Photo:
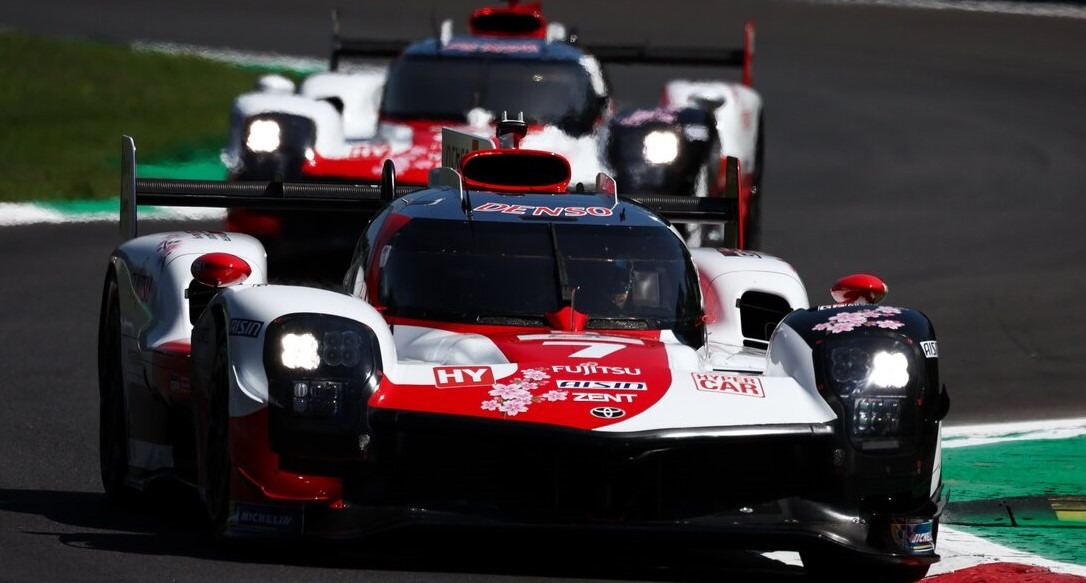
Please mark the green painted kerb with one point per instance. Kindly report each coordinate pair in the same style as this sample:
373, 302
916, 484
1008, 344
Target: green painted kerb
202, 168
1029, 495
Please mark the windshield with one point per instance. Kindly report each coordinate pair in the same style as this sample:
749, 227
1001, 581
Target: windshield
506, 273
447, 88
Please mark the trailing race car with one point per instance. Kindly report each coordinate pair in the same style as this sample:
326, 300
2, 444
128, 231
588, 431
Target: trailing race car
506, 353
342, 124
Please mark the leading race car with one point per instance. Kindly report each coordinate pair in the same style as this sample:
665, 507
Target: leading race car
341, 125
506, 353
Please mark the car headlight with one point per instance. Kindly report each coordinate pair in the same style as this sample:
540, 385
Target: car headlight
660, 147
264, 135
321, 370
876, 379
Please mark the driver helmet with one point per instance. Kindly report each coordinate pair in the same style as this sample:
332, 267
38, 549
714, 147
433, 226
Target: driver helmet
619, 281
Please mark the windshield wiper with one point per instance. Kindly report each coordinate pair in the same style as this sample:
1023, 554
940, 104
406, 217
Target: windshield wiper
564, 291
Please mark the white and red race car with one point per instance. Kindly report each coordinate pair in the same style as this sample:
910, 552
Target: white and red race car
504, 352
342, 124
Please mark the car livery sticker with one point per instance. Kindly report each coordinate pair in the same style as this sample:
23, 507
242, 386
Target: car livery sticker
263, 516
931, 348
475, 46
729, 384
644, 116
514, 396
250, 328
165, 248
608, 412
543, 211
561, 378
913, 535
848, 321
463, 376
601, 385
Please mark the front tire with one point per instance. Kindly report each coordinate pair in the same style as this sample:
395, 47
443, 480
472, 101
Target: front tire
112, 410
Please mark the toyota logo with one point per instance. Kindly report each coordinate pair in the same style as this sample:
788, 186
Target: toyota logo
607, 412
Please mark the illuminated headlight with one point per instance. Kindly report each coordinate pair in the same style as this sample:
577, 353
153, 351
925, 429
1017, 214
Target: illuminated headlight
264, 136
874, 378
336, 348
661, 147
320, 366
300, 351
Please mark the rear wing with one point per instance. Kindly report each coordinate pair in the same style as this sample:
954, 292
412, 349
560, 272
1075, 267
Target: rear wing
363, 198
361, 48
722, 210
682, 56
371, 198
607, 54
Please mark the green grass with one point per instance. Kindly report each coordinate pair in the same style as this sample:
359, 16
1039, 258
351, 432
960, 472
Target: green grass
64, 105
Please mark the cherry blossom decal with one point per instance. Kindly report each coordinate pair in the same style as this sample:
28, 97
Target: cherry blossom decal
847, 321
513, 397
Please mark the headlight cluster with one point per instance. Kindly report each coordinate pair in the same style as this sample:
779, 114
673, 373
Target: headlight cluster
660, 147
874, 378
263, 135
321, 371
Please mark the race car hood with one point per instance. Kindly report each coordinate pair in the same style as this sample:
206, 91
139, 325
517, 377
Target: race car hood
415, 148
587, 381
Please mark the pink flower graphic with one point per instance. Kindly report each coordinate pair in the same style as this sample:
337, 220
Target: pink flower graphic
515, 396
848, 321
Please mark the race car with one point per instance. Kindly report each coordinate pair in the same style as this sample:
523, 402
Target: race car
505, 352
342, 124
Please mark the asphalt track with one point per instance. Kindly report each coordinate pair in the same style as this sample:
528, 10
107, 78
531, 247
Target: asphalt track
941, 150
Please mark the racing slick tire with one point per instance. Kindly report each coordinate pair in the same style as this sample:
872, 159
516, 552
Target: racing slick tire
839, 567
217, 456
112, 410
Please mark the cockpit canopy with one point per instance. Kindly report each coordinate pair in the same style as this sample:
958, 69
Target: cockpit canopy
446, 87
623, 277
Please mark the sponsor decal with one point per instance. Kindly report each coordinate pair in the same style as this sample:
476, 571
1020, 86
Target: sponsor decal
473, 46
602, 385
913, 535
931, 348
607, 412
369, 151
462, 376
240, 327
213, 235
644, 116
543, 211
604, 397
750, 386
591, 368
456, 144
848, 321
516, 395
165, 248
738, 253
266, 516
